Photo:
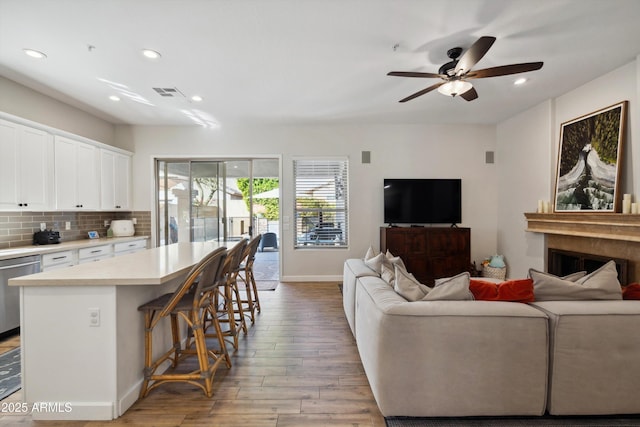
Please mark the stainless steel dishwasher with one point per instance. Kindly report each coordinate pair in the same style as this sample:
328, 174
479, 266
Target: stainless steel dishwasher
10, 295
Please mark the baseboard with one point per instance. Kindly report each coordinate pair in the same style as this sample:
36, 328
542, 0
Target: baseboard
131, 396
78, 411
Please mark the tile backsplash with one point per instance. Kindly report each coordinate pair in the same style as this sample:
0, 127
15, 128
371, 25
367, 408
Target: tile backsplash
17, 228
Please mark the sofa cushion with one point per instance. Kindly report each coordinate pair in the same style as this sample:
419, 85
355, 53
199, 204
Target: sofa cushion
354, 268
454, 288
407, 286
602, 284
593, 366
517, 290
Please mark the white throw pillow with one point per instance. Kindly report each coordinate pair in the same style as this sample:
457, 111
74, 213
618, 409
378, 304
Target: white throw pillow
375, 263
407, 286
370, 253
602, 284
388, 274
393, 260
454, 288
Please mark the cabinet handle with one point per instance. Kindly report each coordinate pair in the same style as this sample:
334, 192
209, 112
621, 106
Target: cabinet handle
96, 251
59, 257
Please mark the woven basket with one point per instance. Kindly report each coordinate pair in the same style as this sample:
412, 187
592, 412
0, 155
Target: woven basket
494, 272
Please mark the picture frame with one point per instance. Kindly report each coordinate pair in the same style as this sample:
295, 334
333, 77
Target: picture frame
589, 161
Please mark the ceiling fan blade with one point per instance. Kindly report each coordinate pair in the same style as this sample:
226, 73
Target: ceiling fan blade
416, 74
422, 92
504, 70
474, 54
469, 95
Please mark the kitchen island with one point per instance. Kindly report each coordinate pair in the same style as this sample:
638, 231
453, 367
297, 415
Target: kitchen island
82, 336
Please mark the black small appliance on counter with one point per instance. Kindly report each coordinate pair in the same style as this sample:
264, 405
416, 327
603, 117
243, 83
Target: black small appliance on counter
46, 237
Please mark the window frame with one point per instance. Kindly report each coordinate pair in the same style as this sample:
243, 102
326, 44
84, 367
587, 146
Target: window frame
317, 233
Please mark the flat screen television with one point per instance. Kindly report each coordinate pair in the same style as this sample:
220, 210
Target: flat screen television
422, 201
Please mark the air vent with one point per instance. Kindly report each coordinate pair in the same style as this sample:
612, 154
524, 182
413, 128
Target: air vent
169, 92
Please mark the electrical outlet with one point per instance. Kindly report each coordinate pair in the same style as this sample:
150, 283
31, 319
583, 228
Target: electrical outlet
94, 316
67, 225
43, 226
106, 222
134, 220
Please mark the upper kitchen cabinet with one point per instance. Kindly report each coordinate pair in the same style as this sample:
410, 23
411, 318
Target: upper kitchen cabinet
115, 180
77, 175
26, 169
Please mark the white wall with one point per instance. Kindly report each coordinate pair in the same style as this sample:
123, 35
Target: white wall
26, 103
524, 161
396, 151
527, 149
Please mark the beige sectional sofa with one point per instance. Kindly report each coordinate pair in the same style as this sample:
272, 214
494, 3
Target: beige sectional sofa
594, 363
353, 270
493, 358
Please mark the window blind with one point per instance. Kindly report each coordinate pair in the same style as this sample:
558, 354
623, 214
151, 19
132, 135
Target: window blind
321, 214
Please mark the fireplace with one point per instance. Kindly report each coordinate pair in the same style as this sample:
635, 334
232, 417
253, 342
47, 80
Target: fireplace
561, 263
585, 241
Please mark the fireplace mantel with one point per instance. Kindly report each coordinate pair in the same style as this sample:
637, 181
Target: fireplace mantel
613, 226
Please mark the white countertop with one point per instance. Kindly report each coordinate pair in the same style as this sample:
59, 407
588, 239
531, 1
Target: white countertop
63, 246
149, 267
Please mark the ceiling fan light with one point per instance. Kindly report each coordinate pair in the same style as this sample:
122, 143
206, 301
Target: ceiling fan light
454, 87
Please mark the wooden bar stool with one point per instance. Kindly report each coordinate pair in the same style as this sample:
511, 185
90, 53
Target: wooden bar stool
190, 303
245, 270
226, 306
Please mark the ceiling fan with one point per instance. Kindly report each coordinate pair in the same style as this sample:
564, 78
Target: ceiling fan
456, 73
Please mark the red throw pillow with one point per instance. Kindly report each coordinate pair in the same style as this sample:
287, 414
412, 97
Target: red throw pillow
631, 291
519, 290
483, 290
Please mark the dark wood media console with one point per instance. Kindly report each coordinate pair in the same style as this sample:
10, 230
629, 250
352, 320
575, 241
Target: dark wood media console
429, 253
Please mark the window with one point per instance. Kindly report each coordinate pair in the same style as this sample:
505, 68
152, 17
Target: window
321, 203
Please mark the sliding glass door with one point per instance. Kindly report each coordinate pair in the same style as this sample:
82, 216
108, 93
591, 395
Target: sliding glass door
213, 200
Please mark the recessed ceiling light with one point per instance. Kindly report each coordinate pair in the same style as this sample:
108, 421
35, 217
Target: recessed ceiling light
520, 81
34, 53
114, 98
196, 98
151, 54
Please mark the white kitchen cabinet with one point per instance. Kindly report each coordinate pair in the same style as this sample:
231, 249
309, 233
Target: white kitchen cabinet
57, 260
95, 253
26, 168
89, 251
129, 247
77, 177
115, 180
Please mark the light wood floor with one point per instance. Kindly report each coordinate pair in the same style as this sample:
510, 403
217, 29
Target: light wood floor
298, 366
